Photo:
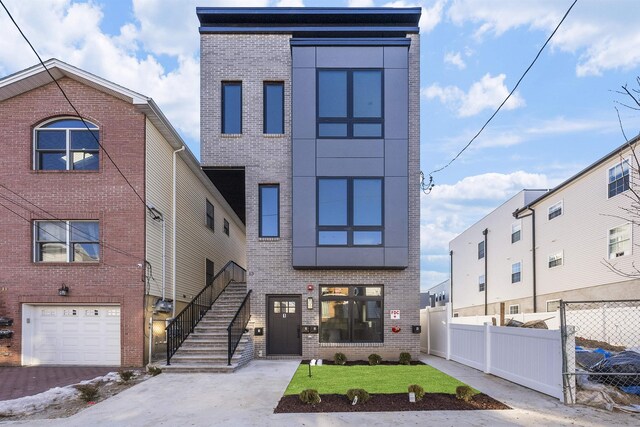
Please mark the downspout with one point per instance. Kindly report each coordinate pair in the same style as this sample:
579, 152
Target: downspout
533, 257
173, 231
451, 280
486, 278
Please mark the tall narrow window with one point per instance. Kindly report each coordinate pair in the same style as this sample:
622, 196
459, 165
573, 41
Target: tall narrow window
516, 231
209, 275
269, 210
67, 144
210, 216
226, 227
481, 283
273, 108
516, 272
619, 178
231, 107
620, 241
481, 250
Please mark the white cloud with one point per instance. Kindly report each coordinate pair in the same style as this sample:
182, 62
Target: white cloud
602, 35
487, 93
290, 3
455, 59
430, 278
360, 3
431, 16
489, 186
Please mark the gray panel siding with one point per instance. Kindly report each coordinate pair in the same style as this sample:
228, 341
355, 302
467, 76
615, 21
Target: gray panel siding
395, 158
395, 212
396, 57
350, 166
349, 57
304, 57
396, 257
304, 257
304, 106
396, 103
350, 257
304, 157
351, 148
304, 215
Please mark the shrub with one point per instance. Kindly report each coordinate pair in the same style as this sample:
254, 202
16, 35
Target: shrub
154, 370
464, 392
374, 359
125, 376
88, 392
405, 358
340, 359
310, 396
362, 395
418, 390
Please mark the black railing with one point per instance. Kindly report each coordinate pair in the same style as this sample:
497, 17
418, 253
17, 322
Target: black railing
184, 323
237, 326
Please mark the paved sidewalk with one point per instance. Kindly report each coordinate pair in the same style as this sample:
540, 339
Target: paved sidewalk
19, 381
247, 398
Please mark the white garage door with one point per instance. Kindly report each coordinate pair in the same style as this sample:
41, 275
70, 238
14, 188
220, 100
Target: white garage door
75, 335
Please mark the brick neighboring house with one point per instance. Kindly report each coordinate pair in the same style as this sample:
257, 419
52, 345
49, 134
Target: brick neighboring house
77, 226
310, 127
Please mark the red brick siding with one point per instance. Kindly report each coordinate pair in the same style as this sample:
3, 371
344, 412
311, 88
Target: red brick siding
102, 195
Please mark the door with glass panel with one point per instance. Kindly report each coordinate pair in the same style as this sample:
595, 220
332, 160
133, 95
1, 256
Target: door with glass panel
284, 335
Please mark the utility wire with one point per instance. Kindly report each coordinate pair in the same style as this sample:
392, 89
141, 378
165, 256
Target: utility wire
71, 104
427, 187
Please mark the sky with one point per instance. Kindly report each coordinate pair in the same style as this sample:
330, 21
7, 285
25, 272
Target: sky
561, 119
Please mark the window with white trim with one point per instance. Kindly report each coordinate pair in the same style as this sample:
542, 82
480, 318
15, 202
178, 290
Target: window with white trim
481, 283
553, 305
620, 241
556, 259
618, 178
555, 210
66, 144
514, 309
516, 272
516, 231
481, 250
66, 241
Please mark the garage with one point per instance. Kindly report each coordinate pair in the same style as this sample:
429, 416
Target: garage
71, 335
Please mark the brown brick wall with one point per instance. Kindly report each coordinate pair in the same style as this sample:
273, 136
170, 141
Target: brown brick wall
102, 195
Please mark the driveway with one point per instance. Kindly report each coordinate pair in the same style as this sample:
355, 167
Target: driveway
247, 398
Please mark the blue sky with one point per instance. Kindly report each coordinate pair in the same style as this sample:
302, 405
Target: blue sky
561, 119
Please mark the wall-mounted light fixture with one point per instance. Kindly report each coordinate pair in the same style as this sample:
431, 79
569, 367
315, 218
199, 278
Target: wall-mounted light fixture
258, 331
63, 291
310, 303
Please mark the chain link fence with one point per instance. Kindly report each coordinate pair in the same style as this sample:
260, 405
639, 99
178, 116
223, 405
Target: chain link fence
601, 353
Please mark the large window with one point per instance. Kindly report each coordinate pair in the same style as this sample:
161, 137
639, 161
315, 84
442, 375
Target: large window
210, 216
231, 107
66, 241
516, 231
619, 178
66, 144
516, 272
273, 120
620, 241
555, 210
350, 104
350, 211
269, 210
351, 314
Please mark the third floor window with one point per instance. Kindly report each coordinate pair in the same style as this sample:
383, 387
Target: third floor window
231, 107
66, 144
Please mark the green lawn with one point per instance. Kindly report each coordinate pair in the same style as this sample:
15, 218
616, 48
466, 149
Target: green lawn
332, 379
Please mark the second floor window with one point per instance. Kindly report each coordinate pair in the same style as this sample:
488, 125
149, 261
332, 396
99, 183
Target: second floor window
66, 241
619, 178
516, 271
555, 210
269, 210
555, 260
481, 250
273, 108
516, 231
209, 272
350, 103
232, 107
210, 216
620, 241
481, 283
66, 144
226, 227
350, 211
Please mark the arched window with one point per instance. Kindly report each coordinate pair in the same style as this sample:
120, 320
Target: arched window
66, 144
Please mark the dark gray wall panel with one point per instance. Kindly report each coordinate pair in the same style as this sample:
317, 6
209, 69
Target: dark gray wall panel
304, 105
351, 148
304, 257
304, 57
396, 159
396, 257
396, 104
304, 211
396, 212
304, 157
351, 57
396, 57
350, 166
350, 257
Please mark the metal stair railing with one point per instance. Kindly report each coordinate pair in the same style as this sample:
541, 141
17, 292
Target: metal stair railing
185, 322
237, 326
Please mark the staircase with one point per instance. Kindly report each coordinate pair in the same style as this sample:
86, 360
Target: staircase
206, 348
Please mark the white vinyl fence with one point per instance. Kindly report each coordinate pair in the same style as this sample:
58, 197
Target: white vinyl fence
551, 318
530, 357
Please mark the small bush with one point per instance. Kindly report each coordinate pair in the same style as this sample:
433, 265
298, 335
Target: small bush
374, 359
310, 396
154, 370
464, 392
362, 394
88, 392
340, 359
418, 390
125, 376
405, 358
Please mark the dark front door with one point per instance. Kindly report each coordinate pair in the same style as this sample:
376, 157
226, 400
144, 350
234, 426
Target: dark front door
285, 322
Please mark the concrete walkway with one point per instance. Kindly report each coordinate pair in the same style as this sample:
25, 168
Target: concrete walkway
247, 398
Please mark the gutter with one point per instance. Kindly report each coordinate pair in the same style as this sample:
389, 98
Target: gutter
451, 280
517, 215
485, 232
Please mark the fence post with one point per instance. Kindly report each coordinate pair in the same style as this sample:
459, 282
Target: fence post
487, 348
448, 326
570, 365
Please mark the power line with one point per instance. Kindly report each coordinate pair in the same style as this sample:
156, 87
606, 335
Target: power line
427, 187
71, 104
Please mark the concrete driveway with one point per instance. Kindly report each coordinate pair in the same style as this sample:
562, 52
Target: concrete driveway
247, 398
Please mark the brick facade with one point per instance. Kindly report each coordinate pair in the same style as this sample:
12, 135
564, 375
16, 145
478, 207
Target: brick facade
101, 195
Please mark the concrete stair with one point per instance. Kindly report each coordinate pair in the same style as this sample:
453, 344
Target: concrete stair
205, 349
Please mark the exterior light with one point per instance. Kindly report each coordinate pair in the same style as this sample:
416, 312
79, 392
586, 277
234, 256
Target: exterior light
310, 303
63, 291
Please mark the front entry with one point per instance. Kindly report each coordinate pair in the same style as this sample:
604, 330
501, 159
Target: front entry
284, 335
